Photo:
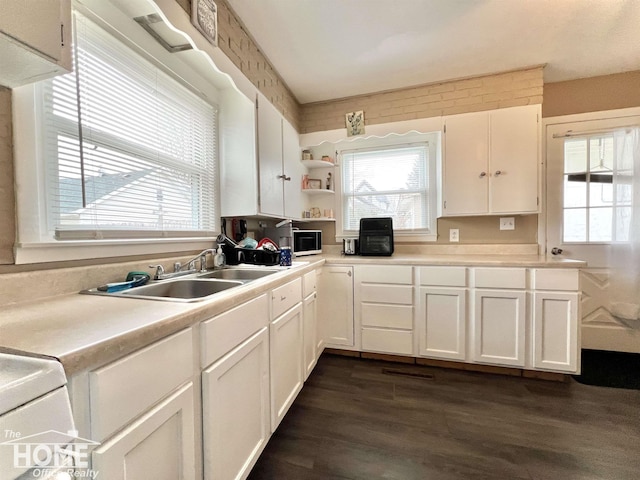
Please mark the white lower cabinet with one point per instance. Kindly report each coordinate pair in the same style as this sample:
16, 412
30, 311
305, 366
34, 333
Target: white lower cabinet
309, 313
159, 445
235, 402
286, 344
555, 331
384, 308
499, 323
335, 306
442, 315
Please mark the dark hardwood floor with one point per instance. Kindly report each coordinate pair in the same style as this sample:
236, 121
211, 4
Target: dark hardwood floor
352, 421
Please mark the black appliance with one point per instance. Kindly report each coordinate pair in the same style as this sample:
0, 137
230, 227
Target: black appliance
376, 236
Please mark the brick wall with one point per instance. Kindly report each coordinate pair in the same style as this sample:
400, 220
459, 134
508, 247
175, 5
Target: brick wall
7, 200
508, 89
237, 44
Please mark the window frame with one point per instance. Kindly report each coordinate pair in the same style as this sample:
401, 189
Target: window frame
432, 141
33, 242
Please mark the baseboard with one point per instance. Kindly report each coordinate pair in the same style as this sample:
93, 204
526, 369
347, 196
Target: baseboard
450, 364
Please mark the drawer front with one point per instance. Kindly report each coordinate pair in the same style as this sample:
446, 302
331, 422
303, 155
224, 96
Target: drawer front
395, 274
443, 276
397, 294
389, 316
308, 283
387, 341
228, 330
556, 279
128, 387
285, 297
501, 278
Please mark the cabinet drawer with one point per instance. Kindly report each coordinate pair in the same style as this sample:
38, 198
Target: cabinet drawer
285, 297
388, 341
399, 294
443, 276
308, 283
390, 316
556, 279
126, 388
227, 330
395, 274
500, 278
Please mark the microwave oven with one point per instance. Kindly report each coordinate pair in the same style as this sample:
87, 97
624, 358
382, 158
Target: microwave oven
306, 242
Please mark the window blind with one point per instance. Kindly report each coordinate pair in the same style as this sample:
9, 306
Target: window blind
130, 152
387, 182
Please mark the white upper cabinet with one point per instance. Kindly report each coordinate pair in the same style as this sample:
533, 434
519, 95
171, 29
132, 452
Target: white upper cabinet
35, 40
491, 162
279, 163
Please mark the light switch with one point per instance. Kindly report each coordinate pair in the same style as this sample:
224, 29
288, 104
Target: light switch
507, 223
454, 235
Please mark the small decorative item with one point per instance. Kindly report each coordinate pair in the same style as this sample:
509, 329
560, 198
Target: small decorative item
315, 184
204, 16
327, 158
355, 123
329, 181
328, 212
305, 182
306, 155
315, 212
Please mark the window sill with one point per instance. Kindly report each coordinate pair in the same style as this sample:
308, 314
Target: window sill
26, 253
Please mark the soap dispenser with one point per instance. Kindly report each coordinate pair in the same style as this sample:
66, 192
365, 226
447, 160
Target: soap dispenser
219, 260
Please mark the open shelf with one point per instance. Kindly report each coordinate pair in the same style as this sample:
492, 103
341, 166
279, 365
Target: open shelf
317, 191
317, 164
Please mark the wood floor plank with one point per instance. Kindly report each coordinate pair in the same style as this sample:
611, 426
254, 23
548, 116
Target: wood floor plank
354, 421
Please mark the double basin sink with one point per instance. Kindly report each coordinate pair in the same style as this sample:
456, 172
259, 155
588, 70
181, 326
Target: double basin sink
196, 287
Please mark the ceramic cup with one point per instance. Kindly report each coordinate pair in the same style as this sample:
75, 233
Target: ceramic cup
285, 257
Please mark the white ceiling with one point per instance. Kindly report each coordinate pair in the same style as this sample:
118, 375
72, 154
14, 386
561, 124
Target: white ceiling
327, 49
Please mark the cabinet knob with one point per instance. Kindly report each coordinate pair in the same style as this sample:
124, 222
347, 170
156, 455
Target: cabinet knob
483, 174
349, 273
282, 299
498, 173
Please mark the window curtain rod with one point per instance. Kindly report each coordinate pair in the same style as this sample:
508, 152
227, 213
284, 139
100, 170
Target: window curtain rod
572, 133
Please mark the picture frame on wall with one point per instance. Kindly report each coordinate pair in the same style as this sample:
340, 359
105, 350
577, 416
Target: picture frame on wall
204, 16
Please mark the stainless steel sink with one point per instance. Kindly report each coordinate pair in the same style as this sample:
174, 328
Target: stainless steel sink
184, 289
240, 274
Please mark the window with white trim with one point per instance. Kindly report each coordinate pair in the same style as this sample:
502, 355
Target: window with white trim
129, 151
394, 181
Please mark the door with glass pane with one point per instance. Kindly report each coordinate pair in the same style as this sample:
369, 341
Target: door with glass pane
588, 208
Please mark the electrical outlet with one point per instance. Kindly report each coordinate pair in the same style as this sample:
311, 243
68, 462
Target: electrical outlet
507, 223
454, 235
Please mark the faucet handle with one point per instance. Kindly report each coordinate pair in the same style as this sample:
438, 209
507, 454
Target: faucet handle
159, 270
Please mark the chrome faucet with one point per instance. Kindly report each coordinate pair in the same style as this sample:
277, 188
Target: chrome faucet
178, 267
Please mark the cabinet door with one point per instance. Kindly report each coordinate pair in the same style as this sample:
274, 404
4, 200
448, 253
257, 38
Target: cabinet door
158, 445
293, 169
335, 306
441, 323
286, 341
309, 314
270, 158
466, 164
35, 23
499, 327
235, 409
555, 331
514, 160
